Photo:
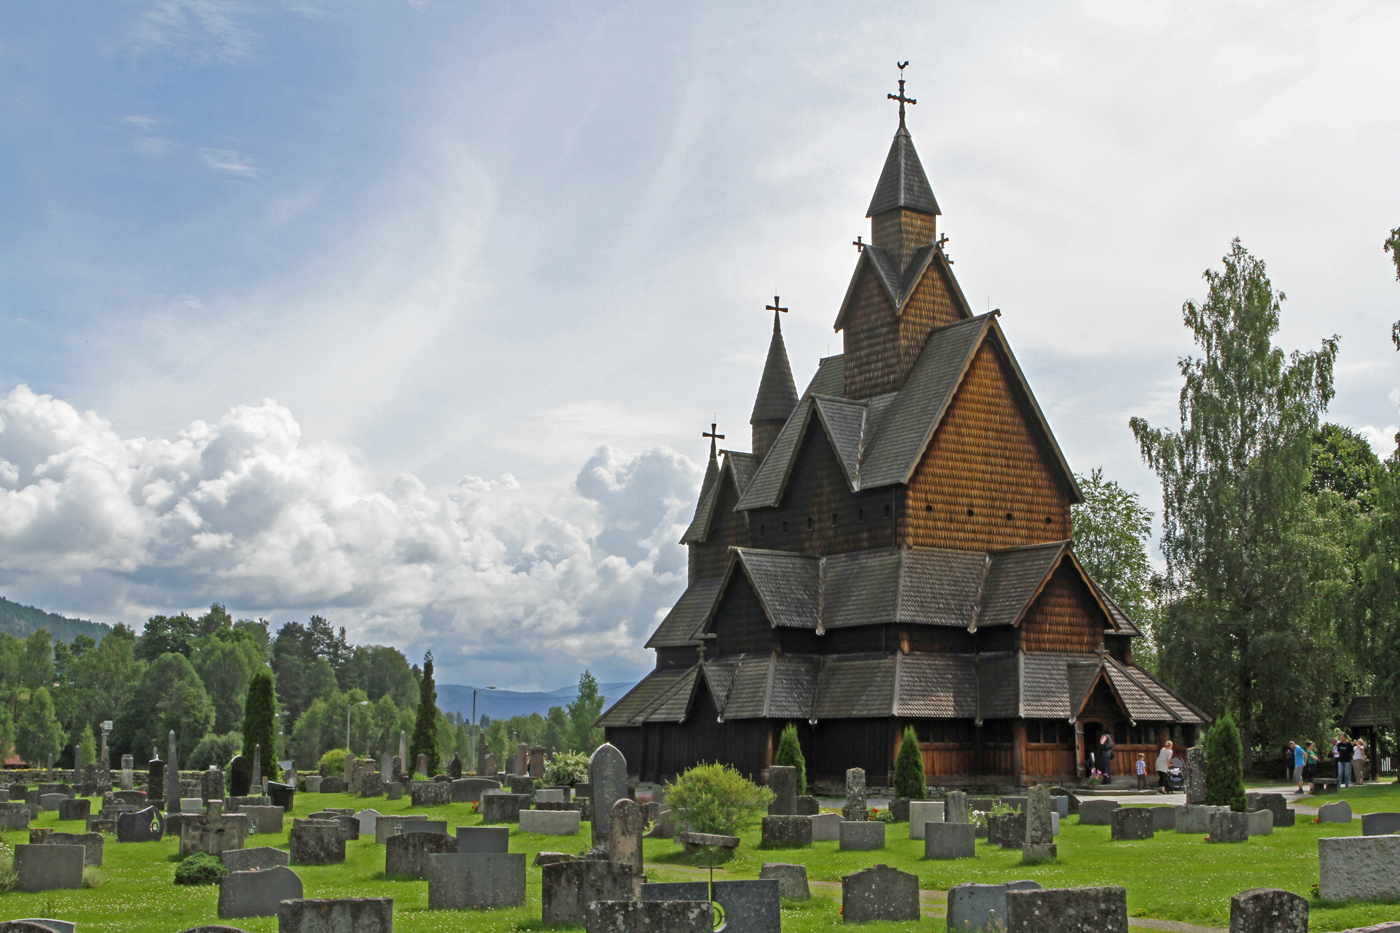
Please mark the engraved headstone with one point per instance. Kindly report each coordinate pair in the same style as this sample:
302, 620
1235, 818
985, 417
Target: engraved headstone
856, 807
454, 768
782, 781
607, 772
490, 767
537, 762
256, 776
127, 764
974, 908
1268, 910
1040, 827
625, 828
1195, 776
421, 766
1067, 910
522, 759
140, 826
172, 776
257, 893
239, 776
879, 893
955, 807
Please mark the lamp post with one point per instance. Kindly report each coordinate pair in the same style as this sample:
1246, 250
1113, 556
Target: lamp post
347, 722
476, 769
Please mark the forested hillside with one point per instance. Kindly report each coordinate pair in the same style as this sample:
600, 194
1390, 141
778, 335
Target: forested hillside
23, 620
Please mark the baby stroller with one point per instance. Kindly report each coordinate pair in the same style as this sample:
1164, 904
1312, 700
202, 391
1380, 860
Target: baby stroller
1176, 775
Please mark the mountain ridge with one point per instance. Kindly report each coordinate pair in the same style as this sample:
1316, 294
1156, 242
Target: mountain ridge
22, 621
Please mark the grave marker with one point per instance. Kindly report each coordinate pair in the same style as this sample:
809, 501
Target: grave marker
48, 868
792, 879
568, 888
475, 881
336, 915
782, 781
879, 893
981, 908
257, 893
406, 854
855, 808
1067, 910
1268, 910
607, 773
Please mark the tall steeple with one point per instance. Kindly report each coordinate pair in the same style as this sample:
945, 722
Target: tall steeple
903, 212
777, 393
712, 469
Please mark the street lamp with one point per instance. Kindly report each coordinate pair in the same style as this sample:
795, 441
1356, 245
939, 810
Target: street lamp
347, 722
476, 769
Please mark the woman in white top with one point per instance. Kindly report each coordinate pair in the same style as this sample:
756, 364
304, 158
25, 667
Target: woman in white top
1164, 763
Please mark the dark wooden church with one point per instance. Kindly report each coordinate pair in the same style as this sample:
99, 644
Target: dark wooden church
895, 551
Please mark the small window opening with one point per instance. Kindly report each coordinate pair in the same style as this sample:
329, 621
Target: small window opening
860, 515
761, 530
1047, 520
834, 519
1009, 517
969, 513
784, 527
810, 523
887, 511
928, 507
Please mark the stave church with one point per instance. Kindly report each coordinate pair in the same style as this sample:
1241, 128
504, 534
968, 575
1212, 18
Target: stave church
895, 550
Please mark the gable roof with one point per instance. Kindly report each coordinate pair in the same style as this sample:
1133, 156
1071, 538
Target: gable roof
739, 467
830, 377
900, 284
677, 630
902, 181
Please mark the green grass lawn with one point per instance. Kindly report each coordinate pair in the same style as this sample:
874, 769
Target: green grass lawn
1173, 877
1371, 798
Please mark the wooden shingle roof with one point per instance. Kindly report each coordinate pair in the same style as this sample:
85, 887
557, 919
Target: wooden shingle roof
739, 467
903, 182
677, 630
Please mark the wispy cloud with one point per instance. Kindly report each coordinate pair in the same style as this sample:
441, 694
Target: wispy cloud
202, 30
145, 139
228, 160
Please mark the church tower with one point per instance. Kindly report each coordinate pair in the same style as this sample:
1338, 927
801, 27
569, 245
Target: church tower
777, 393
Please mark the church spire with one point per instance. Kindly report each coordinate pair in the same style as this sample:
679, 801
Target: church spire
712, 470
903, 212
777, 393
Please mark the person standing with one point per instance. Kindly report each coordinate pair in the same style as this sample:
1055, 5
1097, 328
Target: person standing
1106, 757
1345, 752
1310, 762
1140, 769
1164, 766
1300, 760
1358, 761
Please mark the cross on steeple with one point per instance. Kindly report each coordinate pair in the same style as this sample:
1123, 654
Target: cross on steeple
901, 98
775, 307
712, 436
860, 247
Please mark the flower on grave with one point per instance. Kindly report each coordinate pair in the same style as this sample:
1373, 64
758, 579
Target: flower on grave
1207, 838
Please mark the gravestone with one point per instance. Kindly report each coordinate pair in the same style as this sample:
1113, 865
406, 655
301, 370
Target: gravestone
49, 802
212, 831
48, 868
371, 784
879, 893
568, 888
313, 783
282, 795
14, 815
552, 795
333, 785
950, 840
38, 925
550, 822
469, 790
1276, 803
317, 842
211, 785
807, 805
921, 812
406, 854
393, 791
91, 843
258, 858
649, 917
483, 840
859, 836
1015, 803
786, 832
899, 809
855, 808
1163, 818
1039, 816
490, 766
240, 776
1359, 868
1195, 778
1339, 812
792, 879
506, 808
1261, 822
1131, 823
257, 893
430, 793
256, 776
537, 762
782, 781
522, 784
1380, 824
607, 773
1007, 830
70, 808
336, 915
624, 840
749, 906
981, 908
1097, 812
369, 821
127, 764
421, 766
454, 767
1194, 819
826, 827
1067, 910
1268, 910
1228, 826
475, 881
172, 776
263, 819
722, 846
522, 759
403, 749
955, 807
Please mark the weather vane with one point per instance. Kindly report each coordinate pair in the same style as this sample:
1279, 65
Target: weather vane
901, 98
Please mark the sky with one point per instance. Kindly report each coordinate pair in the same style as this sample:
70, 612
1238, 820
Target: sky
411, 314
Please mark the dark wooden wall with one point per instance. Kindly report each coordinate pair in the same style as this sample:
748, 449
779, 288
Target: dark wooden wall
709, 558
739, 623
1065, 616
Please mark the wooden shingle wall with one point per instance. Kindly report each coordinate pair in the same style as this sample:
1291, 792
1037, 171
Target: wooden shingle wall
880, 347
903, 231
1065, 617
931, 305
987, 460
740, 624
709, 559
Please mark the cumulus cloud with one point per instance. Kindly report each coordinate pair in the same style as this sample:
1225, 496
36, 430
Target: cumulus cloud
518, 586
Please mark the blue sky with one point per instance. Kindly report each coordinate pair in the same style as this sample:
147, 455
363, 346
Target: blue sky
411, 314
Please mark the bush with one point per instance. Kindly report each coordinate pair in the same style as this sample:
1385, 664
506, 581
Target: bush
333, 762
200, 868
216, 750
1224, 775
909, 768
790, 753
566, 768
714, 798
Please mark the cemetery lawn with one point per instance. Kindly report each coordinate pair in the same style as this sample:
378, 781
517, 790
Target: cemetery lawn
1372, 798
1172, 877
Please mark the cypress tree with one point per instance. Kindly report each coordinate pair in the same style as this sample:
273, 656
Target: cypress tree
1224, 774
260, 721
425, 736
790, 753
909, 768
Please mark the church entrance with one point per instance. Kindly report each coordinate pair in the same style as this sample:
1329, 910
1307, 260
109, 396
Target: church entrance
1092, 731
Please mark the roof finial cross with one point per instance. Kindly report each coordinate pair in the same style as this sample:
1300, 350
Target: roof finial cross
860, 247
901, 98
776, 307
712, 436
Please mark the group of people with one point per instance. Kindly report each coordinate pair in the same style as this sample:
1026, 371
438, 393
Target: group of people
1348, 753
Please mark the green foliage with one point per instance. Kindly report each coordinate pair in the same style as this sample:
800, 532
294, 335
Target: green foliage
583, 711
790, 753
1224, 771
425, 739
566, 768
7, 730
38, 733
22, 620
909, 767
1111, 529
260, 721
714, 798
1343, 462
215, 750
200, 869
1373, 625
1247, 563
226, 664
332, 763
36, 665
169, 697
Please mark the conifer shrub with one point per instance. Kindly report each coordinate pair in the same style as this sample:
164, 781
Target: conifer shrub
790, 753
714, 798
425, 726
200, 868
1224, 771
260, 722
909, 768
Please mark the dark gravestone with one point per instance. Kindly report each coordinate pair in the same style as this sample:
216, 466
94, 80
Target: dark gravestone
1163, 818
258, 858
505, 808
981, 908
334, 785
336, 915
91, 843
430, 793
786, 832
1097, 812
406, 855
371, 784
475, 881
483, 840
568, 888
1276, 803
317, 842
1267, 910
240, 779
792, 879
899, 809
649, 917
1011, 830
257, 893
211, 785
522, 784
281, 795
74, 809
1380, 824
782, 781
879, 893
14, 815
808, 806
749, 906
1132, 823
607, 774
1067, 910
856, 836
1195, 778
949, 840
469, 790
454, 768
1228, 826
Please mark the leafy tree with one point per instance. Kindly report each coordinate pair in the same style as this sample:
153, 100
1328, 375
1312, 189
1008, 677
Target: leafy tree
425, 737
260, 721
215, 750
38, 733
789, 753
36, 667
714, 798
1241, 564
1373, 628
1224, 771
332, 763
558, 732
583, 712
1342, 461
169, 697
226, 666
102, 680
1111, 529
7, 731
909, 767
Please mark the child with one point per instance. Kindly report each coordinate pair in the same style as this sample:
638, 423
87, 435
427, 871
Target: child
1141, 768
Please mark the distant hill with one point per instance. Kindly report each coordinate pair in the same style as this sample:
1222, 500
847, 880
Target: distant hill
503, 704
23, 621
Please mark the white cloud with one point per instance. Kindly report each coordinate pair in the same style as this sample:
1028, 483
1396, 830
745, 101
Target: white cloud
228, 160
520, 586
196, 29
